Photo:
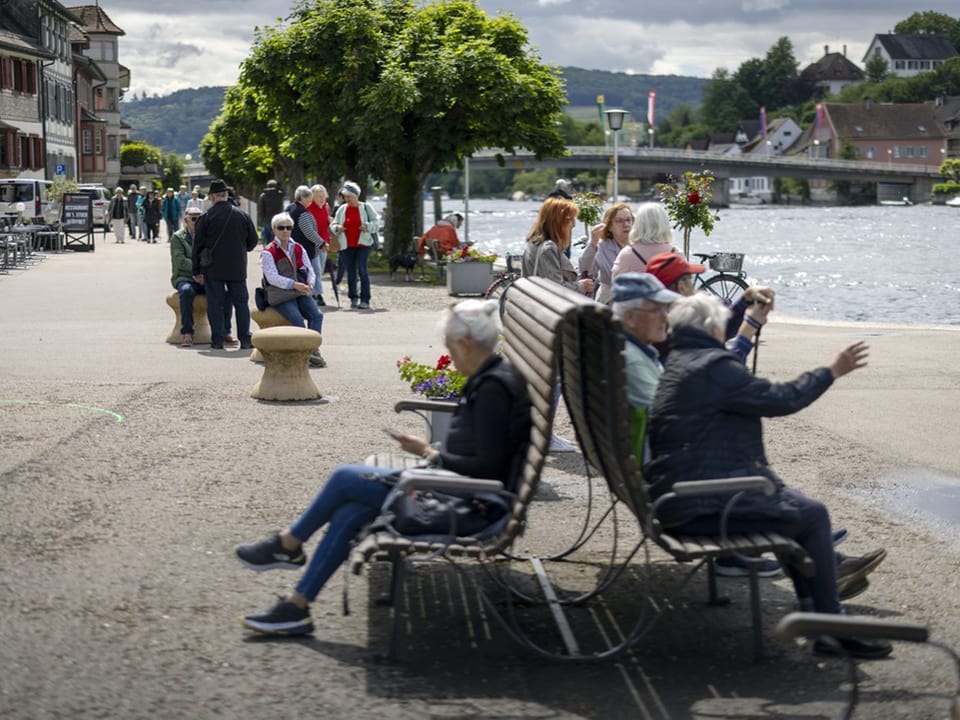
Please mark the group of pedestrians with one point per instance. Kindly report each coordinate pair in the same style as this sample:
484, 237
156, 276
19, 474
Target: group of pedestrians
141, 210
697, 409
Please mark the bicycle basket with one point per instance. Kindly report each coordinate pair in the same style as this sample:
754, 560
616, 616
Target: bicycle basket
726, 262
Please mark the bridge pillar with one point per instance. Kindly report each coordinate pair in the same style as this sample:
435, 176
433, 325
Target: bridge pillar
721, 192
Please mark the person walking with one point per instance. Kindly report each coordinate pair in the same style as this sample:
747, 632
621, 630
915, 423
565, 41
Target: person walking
171, 212
321, 213
117, 212
354, 224
151, 215
224, 236
269, 204
133, 220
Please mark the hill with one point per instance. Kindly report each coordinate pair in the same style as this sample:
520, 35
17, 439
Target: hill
177, 122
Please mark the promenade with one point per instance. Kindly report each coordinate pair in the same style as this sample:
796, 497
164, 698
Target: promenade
129, 469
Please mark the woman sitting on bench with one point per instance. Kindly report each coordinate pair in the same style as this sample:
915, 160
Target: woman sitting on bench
488, 435
706, 423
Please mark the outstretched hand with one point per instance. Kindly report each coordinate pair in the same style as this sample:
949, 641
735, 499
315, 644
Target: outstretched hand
850, 358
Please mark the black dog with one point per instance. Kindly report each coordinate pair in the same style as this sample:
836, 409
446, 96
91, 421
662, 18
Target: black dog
407, 261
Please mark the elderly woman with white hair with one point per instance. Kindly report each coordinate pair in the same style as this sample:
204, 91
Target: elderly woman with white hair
487, 438
355, 224
651, 234
706, 423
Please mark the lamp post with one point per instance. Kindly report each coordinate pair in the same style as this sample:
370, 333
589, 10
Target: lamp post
615, 122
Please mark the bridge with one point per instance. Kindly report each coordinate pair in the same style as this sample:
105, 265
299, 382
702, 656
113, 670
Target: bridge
645, 162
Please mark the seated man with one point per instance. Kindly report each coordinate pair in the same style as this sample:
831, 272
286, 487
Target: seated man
187, 285
445, 233
288, 280
706, 423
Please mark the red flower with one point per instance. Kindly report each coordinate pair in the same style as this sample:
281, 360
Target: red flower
693, 198
443, 362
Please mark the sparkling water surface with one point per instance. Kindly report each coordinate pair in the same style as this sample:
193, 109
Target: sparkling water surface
890, 264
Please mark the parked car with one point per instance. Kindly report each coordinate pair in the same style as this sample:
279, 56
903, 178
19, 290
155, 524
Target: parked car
100, 202
33, 193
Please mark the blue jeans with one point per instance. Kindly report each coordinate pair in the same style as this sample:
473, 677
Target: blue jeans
222, 297
172, 226
348, 501
299, 309
266, 230
188, 289
318, 262
356, 261
810, 527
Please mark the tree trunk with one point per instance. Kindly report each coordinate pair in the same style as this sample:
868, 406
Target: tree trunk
404, 204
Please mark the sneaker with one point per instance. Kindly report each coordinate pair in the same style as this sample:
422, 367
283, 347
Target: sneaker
284, 618
560, 445
364, 306
852, 647
229, 340
850, 590
216, 346
186, 340
854, 568
316, 359
736, 566
839, 536
320, 301
354, 304
246, 344
270, 554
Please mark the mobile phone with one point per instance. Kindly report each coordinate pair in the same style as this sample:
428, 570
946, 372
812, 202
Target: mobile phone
391, 432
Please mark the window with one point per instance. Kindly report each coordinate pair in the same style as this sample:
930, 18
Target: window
923, 151
87, 142
912, 64
99, 147
898, 65
870, 152
924, 64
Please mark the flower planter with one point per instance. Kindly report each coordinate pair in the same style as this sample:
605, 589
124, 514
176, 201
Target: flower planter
439, 425
469, 278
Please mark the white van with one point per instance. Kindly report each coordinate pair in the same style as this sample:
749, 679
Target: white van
34, 196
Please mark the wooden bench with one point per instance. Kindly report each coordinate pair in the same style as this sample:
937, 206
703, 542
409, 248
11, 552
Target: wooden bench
533, 322
201, 326
286, 363
593, 379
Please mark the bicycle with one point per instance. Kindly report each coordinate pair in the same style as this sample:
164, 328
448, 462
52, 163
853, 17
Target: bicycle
730, 280
497, 289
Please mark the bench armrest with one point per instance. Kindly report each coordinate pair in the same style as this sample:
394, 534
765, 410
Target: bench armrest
444, 480
434, 405
756, 483
807, 624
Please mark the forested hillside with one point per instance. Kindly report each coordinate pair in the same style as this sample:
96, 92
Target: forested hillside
176, 122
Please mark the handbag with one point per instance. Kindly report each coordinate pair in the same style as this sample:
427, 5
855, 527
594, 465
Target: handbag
436, 513
260, 298
206, 253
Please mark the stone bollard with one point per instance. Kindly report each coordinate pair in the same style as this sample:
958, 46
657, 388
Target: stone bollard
201, 326
265, 319
286, 363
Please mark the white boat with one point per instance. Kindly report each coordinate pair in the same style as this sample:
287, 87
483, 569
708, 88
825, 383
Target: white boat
954, 202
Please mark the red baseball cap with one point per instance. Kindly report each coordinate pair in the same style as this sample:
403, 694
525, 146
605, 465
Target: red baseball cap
668, 266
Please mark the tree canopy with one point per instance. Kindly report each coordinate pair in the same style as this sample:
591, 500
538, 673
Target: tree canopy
391, 90
930, 22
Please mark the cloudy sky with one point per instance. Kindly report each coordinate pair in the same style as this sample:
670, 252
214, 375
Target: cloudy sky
189, 43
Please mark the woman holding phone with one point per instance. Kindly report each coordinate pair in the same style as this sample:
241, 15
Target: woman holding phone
488, 434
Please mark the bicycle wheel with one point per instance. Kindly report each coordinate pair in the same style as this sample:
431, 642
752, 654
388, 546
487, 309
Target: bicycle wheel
725, 286
498, 289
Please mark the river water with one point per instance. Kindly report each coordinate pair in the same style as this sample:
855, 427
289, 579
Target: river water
889, 264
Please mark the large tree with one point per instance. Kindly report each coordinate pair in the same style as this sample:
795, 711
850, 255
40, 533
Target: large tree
930, 22
392, 90
725, 102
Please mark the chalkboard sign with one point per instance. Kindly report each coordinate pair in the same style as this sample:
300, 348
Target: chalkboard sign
77, 212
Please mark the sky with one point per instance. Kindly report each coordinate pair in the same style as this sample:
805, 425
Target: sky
189, 43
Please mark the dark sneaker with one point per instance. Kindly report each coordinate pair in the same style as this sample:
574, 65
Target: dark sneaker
734, 566
246, 344
850, 590
216, 346
270, 555
316, 359
852, 647
859, 567
839, 536
284, 618
364, 306
320, 301
354, 304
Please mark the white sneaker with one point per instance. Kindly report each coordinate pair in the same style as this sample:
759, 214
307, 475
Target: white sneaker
559, 445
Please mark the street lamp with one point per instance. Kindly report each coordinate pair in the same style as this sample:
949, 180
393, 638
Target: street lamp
615, 122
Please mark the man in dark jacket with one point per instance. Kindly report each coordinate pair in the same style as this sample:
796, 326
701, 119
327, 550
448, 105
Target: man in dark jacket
706, 423
269, 204
227, 234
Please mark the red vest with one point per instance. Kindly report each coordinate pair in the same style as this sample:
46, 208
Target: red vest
281, 260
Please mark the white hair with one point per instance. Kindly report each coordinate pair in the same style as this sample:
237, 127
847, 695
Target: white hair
279, 218
702, 310
479, 319
302, 193
651, 225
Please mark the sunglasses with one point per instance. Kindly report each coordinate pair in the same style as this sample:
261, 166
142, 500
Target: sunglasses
284, 227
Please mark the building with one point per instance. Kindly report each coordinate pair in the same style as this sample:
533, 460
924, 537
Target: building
909, 55
947, 109
781, 135
101, 134
832, 73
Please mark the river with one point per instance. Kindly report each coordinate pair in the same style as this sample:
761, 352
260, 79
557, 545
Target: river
890, 264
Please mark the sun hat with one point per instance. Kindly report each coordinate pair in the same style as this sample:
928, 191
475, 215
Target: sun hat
668, 266
350, 188
641, 286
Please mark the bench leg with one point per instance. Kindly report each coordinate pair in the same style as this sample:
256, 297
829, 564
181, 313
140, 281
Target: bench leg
713, 597
756, 620
398, 572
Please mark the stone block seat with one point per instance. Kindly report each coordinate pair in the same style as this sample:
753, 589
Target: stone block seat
265, 319
286, 363
201, 326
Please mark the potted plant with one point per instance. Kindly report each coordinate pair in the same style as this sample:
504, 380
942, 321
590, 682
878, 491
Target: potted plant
440, 381
687, 200
469, 271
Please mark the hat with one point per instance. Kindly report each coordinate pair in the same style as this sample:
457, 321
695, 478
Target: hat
641, 286
351, 188
193, 211
668, 266
217, 187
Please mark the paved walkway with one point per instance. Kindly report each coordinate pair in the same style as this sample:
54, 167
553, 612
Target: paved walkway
129, 468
